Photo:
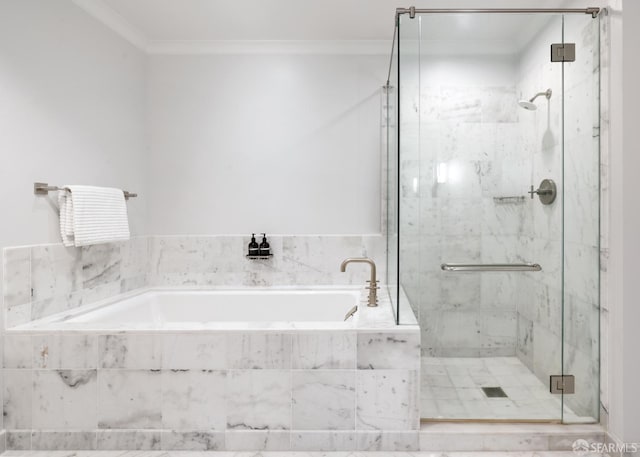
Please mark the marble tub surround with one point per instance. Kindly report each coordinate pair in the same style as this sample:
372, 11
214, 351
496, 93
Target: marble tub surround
246, 386
42, 280
297, 260
350, 389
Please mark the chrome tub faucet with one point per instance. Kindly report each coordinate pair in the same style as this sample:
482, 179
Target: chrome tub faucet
373, 282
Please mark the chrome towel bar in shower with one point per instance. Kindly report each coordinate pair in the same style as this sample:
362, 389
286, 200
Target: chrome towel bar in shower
490, 267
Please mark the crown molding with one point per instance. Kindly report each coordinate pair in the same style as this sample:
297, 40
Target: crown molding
102, 12
333, 47
115, 21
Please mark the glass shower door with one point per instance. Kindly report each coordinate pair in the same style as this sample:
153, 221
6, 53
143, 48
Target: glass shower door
474, 139
581, 336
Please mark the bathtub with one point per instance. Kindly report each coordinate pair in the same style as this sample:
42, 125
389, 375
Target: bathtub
215, 369
184, 310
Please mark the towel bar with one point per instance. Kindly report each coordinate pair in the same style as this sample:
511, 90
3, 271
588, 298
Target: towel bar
490, 267
43, 188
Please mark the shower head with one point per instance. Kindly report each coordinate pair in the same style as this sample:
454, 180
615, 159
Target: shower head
529, 105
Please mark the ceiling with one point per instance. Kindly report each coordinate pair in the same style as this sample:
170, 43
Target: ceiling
165, 25
260, 19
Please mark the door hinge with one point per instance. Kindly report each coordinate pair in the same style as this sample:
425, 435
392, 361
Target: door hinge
563, 384
563, 52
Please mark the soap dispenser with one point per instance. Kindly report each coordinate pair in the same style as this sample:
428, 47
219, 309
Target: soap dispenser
254, 249
265, 249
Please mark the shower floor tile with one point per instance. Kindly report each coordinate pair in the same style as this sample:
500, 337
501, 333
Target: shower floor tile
451, 388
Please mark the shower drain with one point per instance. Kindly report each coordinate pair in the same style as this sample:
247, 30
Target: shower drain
494, 392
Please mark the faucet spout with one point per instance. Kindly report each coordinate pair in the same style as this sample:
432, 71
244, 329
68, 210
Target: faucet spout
373, 282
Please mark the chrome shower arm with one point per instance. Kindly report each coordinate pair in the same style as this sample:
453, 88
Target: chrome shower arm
547, 93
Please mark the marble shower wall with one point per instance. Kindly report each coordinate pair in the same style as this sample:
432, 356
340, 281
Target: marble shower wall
46, 279
470, 126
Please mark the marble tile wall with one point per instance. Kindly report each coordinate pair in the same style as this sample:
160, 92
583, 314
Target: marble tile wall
297, 260
472, 130
216, 391
46, 279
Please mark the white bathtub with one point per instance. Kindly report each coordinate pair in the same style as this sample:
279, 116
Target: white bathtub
211, 310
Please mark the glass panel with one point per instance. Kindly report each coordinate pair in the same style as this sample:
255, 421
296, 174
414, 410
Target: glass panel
581, 219
390, 139
469, 152
409, 169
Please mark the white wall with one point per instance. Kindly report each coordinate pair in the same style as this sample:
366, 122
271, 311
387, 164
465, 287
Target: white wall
275, 143
631, 290
624, 376
71, 110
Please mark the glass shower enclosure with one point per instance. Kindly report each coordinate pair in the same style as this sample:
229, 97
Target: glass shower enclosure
491, 124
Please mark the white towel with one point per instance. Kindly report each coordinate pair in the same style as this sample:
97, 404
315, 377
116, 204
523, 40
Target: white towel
92, 215
66, 217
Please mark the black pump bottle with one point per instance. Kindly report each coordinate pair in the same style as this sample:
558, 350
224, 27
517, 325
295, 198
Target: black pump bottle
254, 249
265, 249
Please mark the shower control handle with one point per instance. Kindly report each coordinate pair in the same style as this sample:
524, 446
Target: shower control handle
539, 192
546, 192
